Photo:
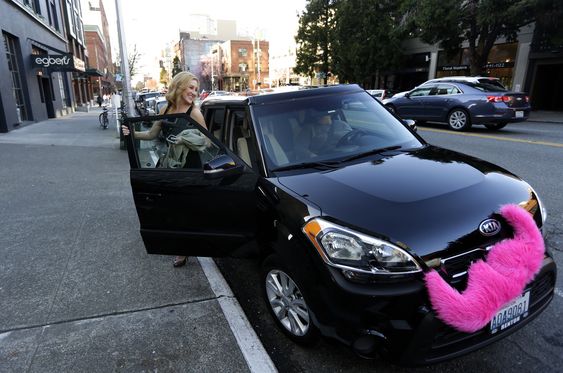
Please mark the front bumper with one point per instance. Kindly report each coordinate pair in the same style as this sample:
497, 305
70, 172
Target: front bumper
396, 320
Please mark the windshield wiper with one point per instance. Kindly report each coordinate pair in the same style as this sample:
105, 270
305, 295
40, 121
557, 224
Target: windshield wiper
370, 152
297, 166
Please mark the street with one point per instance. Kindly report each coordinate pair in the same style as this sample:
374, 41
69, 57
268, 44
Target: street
531, 150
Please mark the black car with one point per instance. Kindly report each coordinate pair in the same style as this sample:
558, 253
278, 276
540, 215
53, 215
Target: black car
462, 104
348, 209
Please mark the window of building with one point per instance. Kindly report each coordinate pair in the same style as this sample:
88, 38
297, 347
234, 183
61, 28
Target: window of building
242, 67
12, 49
53, 18
33, 4
62, 88
242, 52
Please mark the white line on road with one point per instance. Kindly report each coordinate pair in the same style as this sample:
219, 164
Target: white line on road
250, 345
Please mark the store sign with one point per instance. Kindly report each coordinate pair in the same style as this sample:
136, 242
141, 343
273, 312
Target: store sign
454, 67
499, 65
64, 62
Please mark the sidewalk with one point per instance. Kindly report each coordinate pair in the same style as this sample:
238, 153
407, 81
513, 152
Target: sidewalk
546, 116
78, 293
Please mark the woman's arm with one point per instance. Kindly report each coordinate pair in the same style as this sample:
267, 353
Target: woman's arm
145, 135
198, 117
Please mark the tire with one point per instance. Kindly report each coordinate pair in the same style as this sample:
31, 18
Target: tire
496, 126
391, 109
103, 121
458, 120
286, 303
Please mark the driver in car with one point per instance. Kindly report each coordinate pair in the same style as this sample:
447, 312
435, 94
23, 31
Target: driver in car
320, 134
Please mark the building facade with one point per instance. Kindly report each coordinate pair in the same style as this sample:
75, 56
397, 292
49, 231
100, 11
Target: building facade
524, 65
36, 63
245, 65
100, 66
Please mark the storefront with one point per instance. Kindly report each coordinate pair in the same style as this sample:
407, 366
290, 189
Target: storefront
500, 63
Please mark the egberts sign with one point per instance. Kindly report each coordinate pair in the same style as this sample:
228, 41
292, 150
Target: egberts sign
54, 61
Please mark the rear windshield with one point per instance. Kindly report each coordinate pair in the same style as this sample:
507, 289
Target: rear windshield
487, 86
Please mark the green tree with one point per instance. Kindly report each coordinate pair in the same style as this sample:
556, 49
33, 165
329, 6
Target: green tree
367, 39
164, 78
479, 22
314, 38
177, 66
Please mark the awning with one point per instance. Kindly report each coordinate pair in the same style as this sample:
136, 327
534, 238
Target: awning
93, 72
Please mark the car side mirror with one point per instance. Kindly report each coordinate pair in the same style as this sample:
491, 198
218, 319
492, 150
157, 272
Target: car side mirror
411, 123
221, 166
408, 94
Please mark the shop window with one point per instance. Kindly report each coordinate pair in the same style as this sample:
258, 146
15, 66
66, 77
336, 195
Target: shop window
11, 45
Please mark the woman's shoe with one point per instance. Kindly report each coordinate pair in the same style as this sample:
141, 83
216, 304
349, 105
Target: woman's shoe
180, 261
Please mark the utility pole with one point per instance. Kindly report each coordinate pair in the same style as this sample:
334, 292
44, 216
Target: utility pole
127, 92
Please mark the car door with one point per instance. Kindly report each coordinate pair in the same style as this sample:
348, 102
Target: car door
411, 106
196, 203
436, 105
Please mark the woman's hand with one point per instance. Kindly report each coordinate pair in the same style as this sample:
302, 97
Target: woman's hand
125, 130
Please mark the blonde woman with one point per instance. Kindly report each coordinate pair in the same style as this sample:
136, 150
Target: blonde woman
181, 96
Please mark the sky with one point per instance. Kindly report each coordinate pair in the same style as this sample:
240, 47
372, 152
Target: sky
150, 24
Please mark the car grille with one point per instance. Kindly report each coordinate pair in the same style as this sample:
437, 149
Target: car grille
447, 340
454, 268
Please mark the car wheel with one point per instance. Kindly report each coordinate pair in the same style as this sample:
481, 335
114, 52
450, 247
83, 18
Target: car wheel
496, 126
458, 120
391, 108
286, 303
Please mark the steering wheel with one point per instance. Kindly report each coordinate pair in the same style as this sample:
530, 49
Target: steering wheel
350, 137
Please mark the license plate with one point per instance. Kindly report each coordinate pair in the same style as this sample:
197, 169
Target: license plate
519, 114
512, 313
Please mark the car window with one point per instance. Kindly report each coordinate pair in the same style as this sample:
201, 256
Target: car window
214, 118
487, 87
179, 143
492, 82
447, 89
326, 128
422, 91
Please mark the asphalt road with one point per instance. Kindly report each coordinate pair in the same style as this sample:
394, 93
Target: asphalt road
531, 150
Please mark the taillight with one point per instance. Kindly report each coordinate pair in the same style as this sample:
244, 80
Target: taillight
527, 98
498, 98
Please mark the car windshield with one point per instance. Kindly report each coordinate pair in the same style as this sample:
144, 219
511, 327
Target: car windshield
328, 128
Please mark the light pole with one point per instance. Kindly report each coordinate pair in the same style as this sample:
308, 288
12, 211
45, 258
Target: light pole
127, 96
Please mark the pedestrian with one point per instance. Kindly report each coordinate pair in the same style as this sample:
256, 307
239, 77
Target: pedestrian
99, 100
182, 92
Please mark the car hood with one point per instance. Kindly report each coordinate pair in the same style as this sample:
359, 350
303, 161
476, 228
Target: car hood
426, 199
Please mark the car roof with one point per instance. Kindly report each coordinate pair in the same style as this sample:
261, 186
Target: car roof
303, 91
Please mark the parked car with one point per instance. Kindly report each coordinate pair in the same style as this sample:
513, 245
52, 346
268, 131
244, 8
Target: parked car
470, 79
349, 211
462, 104
380, 94
214, 94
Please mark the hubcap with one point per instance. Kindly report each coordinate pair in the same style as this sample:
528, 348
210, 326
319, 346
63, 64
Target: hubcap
458, 119
287, 302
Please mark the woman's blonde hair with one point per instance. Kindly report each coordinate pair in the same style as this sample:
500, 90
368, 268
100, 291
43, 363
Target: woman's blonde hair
179, 83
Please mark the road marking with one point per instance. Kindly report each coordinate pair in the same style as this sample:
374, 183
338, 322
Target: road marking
554, 144
559, 292
250, 345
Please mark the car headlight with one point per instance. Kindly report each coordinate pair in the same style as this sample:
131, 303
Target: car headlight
350, 250
533, 204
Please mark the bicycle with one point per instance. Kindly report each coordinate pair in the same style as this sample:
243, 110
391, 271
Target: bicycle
103, 118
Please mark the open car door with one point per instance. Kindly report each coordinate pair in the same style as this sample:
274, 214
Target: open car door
193, 196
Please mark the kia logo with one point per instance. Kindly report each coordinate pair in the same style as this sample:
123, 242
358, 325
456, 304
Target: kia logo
489, 227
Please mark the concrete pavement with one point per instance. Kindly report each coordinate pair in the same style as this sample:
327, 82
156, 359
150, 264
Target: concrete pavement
78, 293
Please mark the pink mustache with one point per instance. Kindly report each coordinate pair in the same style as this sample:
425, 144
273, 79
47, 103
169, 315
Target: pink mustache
509, 266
